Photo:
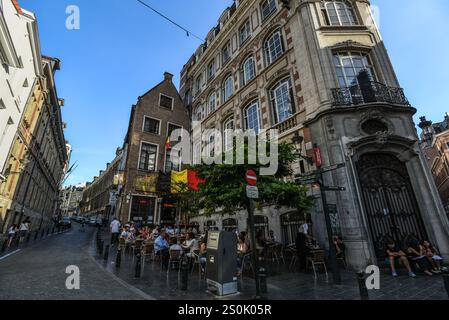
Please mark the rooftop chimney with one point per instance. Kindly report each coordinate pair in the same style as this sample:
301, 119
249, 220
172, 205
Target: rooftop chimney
168, 76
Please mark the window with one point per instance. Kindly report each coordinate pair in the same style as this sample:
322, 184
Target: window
251, 117
226, 52
211, 70
148, 156
199, 114
172, 160
199, 84
338, 13
151, 125
172, 127
267, 8
248, 70
281, 101
273, 47
166, 101
245, 32
349, 64
228, 128
210, 148
211, 103
228, 88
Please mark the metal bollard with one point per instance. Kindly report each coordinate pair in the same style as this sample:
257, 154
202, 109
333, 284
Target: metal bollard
42, 233
184, 273
118, 258
446, 282
138, 265
36, 234
48, 231
28, 236
106, 253
362, 286
53, 230
263, 280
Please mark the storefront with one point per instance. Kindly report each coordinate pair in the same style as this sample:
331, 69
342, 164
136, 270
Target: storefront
143, 209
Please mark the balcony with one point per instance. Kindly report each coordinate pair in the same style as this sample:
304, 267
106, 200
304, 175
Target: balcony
368, 92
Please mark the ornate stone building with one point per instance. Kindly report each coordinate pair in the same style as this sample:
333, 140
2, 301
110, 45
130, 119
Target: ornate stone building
320, 69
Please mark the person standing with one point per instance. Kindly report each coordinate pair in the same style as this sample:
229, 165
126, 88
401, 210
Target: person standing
12, 234
23, 230
115, 230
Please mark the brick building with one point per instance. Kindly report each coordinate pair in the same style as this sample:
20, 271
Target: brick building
145, 196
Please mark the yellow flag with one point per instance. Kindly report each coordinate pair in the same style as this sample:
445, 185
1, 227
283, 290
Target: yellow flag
178, 178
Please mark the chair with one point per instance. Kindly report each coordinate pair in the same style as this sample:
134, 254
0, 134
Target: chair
246, 262
147, 251
175, 259
316, 259
278, 253
196, 261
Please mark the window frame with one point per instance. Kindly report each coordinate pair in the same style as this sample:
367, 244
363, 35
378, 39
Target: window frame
274, 102
348, 9
351, 54
245, 81
214, 95
269, 59
152, 118
224, 59
247, 28
174, 124
230, 119
142, 142
166, 96
245, 116
167, 153
272, 10
211, 76
226, 98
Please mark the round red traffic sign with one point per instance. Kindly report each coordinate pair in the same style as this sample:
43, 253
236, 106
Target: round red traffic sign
251, 177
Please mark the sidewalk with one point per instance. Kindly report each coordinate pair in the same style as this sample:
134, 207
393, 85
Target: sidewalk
282, 285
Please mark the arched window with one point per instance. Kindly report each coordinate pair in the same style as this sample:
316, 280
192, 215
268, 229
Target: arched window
211, 103
248, 70
198, 114
228, 88
281, 98
251, 117
338, 13
349, 64
273, 47
228, 133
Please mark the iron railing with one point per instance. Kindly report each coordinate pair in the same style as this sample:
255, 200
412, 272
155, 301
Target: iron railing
367, 93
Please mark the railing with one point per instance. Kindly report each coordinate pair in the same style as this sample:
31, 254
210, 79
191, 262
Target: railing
367, 93
286, 125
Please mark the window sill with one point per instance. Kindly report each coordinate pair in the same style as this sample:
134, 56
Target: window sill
327, 28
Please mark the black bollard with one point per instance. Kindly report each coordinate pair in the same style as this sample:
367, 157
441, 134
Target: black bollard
446, 282
53, 230
118, 259
138, 265
48, 231
28, 236
362, 286
5, 244
100, 248
42, 233
184, 273
106, 253
36, 234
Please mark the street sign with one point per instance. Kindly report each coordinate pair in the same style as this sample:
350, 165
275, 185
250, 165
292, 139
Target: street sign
318, 159
252, 192
251, 177
335, 188
333, 167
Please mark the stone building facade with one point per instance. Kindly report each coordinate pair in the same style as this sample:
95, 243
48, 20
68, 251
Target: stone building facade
99, 197
70, 198
148, 160
320, 69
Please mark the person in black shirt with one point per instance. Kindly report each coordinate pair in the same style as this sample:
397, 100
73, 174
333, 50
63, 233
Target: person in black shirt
397, 257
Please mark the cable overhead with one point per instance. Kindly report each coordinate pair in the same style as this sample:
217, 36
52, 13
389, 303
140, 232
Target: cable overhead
171, 21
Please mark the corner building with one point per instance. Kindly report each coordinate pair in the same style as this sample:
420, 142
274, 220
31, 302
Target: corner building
320, 69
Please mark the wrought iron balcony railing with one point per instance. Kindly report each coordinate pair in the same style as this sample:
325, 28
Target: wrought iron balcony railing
369, 92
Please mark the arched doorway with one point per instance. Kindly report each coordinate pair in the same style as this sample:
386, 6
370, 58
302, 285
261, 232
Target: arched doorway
389, 201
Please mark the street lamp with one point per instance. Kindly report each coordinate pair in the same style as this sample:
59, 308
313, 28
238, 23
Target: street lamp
297, 141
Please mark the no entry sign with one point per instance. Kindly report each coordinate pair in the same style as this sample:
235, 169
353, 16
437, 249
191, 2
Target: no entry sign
251, 177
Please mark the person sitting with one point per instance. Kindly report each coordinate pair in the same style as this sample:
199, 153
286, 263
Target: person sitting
417, 254
242, 250
190, 244
339, 247
125, 233
203, 254
397, 256
433, 256
170, 231
271, 237
175, 245
161, 247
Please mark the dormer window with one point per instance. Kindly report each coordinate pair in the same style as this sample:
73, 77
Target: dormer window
338, 13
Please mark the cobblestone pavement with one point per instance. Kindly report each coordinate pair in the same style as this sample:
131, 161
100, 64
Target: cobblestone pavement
37, 272
282, 284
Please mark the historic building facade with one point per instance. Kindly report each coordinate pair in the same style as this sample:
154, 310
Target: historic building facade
38, 157
99, 197
320, 69
435, 146
148, 157
70, 198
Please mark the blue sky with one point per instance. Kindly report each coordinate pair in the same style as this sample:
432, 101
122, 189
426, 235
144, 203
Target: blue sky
122, 50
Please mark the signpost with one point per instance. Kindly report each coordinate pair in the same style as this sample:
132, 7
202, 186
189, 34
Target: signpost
253, 193
317, 177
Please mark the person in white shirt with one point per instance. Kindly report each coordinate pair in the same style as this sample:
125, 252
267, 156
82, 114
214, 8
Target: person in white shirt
12, 234
170, 231
23, 230
190, 244
115, 231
